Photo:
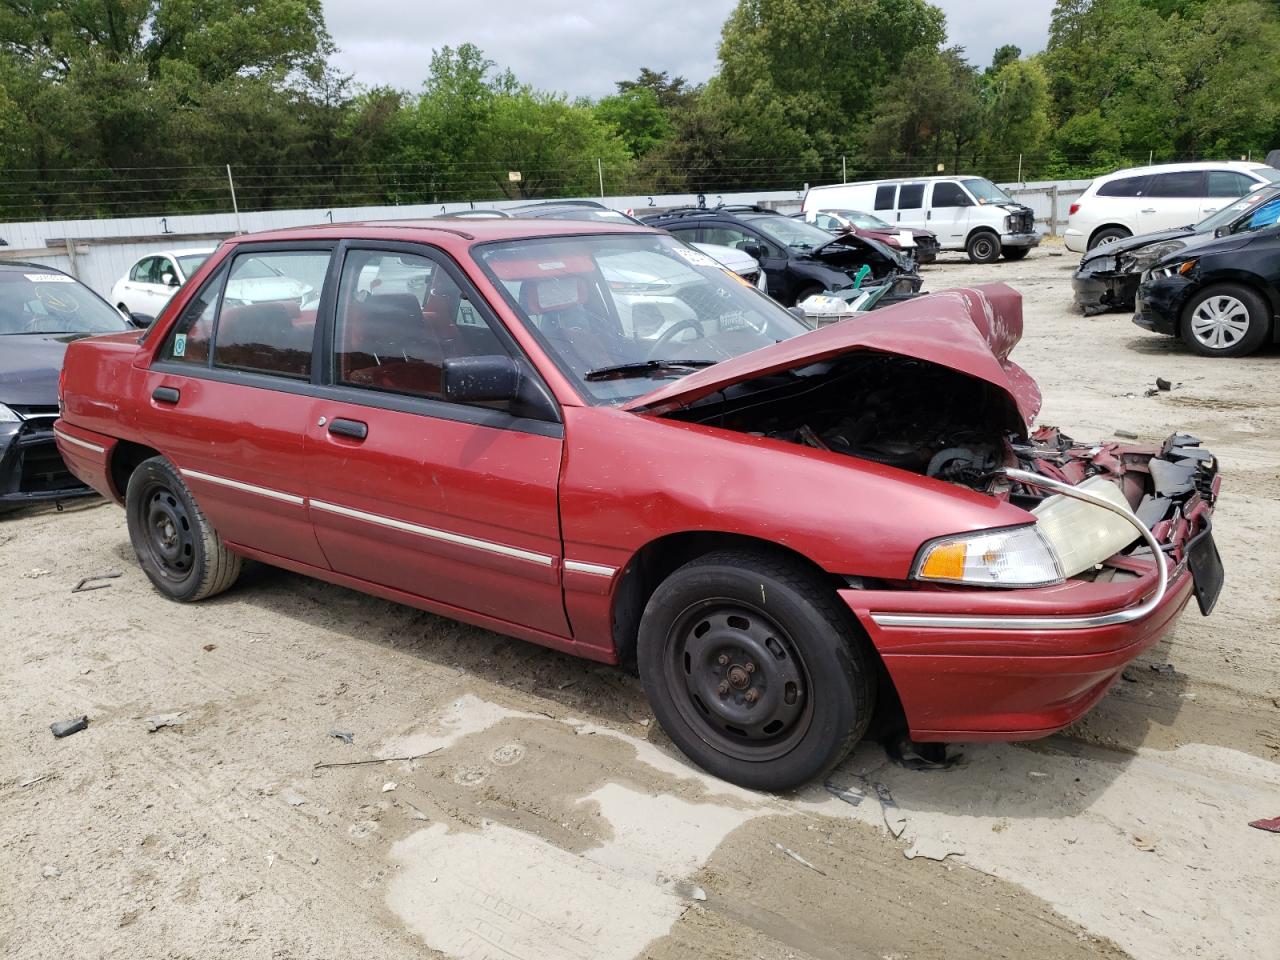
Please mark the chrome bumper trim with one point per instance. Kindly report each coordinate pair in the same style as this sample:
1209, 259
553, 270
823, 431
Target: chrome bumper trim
1128, 615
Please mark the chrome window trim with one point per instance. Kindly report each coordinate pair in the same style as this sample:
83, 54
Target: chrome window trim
444, 536
78, 442
1114, 618
246, 487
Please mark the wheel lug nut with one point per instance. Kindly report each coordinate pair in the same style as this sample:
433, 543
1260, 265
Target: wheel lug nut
723, 660
751, 696
723, 688
750, 667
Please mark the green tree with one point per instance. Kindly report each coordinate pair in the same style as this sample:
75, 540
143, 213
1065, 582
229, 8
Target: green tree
638, 117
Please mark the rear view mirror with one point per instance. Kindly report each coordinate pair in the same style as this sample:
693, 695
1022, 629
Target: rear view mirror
481, 379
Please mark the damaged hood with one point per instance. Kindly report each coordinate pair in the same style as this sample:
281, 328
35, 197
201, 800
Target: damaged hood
847, 243
971, 331
1135, 243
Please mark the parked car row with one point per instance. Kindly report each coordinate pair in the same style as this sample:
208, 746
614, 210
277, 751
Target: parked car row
1214, 283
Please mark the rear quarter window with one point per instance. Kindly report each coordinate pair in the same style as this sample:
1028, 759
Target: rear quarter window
1124, 187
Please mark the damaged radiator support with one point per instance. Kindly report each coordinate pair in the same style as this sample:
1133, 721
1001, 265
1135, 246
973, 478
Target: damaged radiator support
1052, 623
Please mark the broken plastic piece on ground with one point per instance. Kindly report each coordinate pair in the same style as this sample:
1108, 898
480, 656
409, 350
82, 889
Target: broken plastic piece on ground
1163, 384
346, 736
1271, 826
798, 859
932, 848
66, 728
1162, 667
921, 756
850, 795
893, 816
1128, 676
90, 583
163, 720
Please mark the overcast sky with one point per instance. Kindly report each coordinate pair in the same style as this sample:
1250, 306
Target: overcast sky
582, 48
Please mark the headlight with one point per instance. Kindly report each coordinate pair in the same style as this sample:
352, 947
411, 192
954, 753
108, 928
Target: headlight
1008, 224
1013, 557
7, 415
1136, 261
1068, 537
1175, 269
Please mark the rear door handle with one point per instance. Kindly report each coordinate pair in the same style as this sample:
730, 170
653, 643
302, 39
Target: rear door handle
355, 429
1149, 210
166, 395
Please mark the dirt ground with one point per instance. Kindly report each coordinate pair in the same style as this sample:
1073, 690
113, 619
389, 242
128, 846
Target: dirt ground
552, 819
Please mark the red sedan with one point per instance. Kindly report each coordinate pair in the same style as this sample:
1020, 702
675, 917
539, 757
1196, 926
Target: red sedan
594, 438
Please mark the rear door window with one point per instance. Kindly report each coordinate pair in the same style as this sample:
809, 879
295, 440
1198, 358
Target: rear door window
885, 195
267, 320
1190, 183
911, 196
1124, 187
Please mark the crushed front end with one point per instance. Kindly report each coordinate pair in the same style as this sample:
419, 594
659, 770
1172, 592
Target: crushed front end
31, 469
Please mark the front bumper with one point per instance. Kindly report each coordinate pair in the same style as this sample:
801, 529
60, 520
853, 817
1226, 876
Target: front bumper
1099, 290
975, 664
1031, 239
31, 468
1159, 303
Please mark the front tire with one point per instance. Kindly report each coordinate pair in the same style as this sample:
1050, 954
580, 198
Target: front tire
754, 669
177, 548
983, 247
1226, 320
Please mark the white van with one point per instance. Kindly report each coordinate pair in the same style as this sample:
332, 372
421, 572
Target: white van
966, 213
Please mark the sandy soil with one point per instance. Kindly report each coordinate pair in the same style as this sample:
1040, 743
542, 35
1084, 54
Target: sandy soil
553, 820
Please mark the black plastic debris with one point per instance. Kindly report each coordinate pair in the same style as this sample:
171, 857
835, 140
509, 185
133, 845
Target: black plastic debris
345, 736
91, 583
65, 728
1162, 667
920, 756
1163, 384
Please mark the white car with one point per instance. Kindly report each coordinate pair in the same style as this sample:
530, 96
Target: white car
153, 280
1164, 197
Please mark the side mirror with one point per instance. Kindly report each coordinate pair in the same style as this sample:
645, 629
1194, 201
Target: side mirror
480, 379
141, 320
1221, 231
169, 280
754, 250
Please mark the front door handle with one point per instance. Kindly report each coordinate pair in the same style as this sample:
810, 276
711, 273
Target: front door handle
355, 429
166, 394
1149, 210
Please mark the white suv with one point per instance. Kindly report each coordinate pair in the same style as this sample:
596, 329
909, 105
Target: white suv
1165, 197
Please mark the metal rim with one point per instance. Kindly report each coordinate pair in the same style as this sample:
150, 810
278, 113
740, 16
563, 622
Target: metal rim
738, 679
167, 532
983, 248
1220, 322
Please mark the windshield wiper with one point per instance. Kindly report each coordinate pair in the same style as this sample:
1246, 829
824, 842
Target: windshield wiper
626, 370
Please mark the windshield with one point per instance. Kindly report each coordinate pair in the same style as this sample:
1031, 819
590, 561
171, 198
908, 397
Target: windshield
621, 313
32, 301
1267, 173
984, 191
795, 234
583, 213
191, 262
1228, 215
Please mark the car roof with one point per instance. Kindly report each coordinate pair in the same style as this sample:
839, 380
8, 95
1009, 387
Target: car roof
866, 183
23, 265
458, 233
1187, 167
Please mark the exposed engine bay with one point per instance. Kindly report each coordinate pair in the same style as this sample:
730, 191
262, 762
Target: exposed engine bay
934, 421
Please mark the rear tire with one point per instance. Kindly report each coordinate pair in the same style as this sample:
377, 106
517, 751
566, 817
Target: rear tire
983, 247
1226, 320
754, 669
1108, 235
1015, 253
177, 548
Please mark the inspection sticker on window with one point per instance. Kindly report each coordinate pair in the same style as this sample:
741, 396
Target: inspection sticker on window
180, 345
696, 257
49, 278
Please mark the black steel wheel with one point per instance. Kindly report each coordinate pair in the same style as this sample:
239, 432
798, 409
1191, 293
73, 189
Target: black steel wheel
983, 247
176, 546
754, 668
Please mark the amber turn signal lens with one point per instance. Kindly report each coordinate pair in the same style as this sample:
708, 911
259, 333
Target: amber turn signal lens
945, 562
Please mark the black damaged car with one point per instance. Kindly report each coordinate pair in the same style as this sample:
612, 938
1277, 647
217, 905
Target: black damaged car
41, 311
1221, 296
799, 260
1109, 274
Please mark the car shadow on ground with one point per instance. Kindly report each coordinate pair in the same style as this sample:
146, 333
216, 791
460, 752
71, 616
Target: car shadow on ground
612, 696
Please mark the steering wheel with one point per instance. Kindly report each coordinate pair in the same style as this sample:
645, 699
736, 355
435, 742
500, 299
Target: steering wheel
688, 323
